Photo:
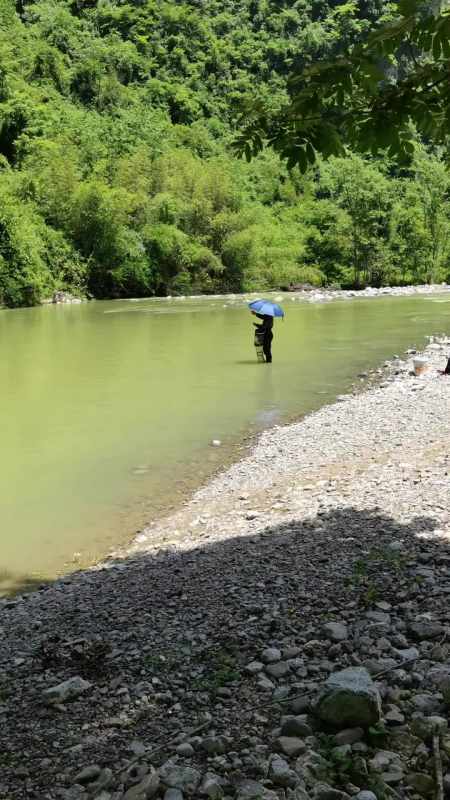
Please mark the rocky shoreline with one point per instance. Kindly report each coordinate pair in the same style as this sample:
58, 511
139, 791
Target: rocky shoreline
325, 295
284, 635
313, 294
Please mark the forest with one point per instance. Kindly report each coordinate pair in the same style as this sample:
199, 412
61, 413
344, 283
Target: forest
119, 175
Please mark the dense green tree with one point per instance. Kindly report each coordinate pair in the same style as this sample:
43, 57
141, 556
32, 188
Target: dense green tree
371, 95
118, 175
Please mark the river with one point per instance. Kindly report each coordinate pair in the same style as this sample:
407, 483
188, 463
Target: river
108, 409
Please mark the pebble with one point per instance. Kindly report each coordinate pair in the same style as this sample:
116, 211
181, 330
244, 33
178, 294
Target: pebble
336, 631
87, 774
281, 774
349, 736
295, 726
271, 655
290, 745
278, 670
178, 776
185, 749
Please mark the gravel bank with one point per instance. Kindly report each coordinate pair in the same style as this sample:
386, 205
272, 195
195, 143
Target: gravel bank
196, 663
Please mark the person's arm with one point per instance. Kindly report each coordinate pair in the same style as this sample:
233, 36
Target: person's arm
260, 316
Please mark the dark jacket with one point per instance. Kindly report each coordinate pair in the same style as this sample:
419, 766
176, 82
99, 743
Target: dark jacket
266, 326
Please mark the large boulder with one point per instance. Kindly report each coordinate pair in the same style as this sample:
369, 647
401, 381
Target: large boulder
349, 699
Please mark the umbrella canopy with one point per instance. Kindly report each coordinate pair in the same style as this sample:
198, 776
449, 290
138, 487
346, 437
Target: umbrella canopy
266, 307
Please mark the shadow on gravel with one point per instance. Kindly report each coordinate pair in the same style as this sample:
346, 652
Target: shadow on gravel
207, 611
345, 532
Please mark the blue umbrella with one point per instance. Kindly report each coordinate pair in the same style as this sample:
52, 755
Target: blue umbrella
266, 307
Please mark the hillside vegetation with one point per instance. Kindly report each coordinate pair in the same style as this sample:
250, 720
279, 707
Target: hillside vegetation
118, 173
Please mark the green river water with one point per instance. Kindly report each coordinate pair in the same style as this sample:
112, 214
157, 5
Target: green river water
108, 409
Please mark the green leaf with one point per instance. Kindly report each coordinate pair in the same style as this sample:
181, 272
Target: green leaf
408, 7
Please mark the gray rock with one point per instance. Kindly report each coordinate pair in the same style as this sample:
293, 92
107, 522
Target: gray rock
254, 667
66, 691
134, 774
439, 677
178, 776
422, 783
278, 670
250, 790
425, 727
173, 794
384, 760
379, 617
299, 793
291, 652
265, 684
426, 703
349, 699
103, 781
313, 768
392, 777
185, 749
341, 751
425, 629
74, 793
335, 631
349, 736
403, 742
271, 655
300, 704
295, 726
290, 745
394, 716
365, 795
214, 745
211, 786
408, 654
280, 693
88, 774
281, 774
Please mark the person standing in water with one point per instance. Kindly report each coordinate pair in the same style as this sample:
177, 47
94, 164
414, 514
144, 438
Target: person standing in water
265, 330
446, 371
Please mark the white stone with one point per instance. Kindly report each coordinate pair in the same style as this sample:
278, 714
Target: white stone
66, 691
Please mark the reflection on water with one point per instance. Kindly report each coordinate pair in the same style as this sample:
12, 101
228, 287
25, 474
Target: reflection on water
108, 409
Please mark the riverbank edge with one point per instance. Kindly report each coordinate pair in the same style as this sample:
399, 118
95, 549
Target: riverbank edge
156, 536
242, 450
310, 294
